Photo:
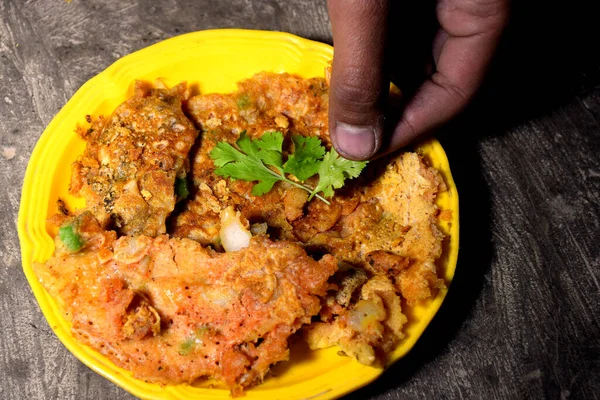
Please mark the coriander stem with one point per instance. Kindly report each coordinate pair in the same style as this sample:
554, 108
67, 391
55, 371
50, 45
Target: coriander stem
323, 199
282, 176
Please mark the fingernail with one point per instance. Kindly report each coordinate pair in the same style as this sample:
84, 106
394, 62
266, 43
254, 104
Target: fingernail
355, 141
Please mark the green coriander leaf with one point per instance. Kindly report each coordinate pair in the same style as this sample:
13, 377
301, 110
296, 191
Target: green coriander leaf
247, 145
270, 149
264, 186
333, 171
271, 141
248, 165
72, 241
266, 149
224, 153
246, 170
304, 162
260, 160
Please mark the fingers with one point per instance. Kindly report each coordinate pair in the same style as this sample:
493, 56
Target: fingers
358, 85
462, 50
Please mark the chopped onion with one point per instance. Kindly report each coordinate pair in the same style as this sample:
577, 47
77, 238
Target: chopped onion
234, 235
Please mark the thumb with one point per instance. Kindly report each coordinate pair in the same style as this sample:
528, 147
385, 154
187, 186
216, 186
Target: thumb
358, 86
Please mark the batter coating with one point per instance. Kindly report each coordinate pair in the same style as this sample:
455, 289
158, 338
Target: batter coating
132, 159
171, 311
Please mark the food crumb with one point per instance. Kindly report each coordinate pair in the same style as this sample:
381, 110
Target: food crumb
8, 152
446, 215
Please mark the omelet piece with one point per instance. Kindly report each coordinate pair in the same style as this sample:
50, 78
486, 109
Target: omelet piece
264, 103
132, 159
366, 330
392, 237
172, 311
392, 231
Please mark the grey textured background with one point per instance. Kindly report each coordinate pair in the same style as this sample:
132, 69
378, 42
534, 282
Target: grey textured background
522, 317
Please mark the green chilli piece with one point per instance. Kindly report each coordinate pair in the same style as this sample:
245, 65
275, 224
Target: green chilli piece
187, 346
72, 241
243, 102
182, 190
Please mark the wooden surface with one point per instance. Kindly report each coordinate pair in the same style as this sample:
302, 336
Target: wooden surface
522, 319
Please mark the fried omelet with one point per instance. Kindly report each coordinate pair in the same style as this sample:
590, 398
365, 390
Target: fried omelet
382, 224
162, 298
172, 311
267, 102
132, 159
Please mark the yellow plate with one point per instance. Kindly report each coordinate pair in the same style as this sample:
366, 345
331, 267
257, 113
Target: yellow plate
211, 61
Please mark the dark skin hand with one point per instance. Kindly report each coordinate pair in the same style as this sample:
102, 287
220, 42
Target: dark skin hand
374, 42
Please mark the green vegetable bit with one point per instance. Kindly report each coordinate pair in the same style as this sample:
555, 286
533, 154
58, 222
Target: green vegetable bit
72, 241
190, 343
182, 190
187, 347
243, 102
261, 160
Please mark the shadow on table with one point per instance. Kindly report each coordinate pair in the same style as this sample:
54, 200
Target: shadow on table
547, 57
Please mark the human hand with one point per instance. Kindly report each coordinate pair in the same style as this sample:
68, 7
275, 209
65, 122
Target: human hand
359, 119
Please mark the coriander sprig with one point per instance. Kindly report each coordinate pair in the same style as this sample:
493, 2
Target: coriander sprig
261, 160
